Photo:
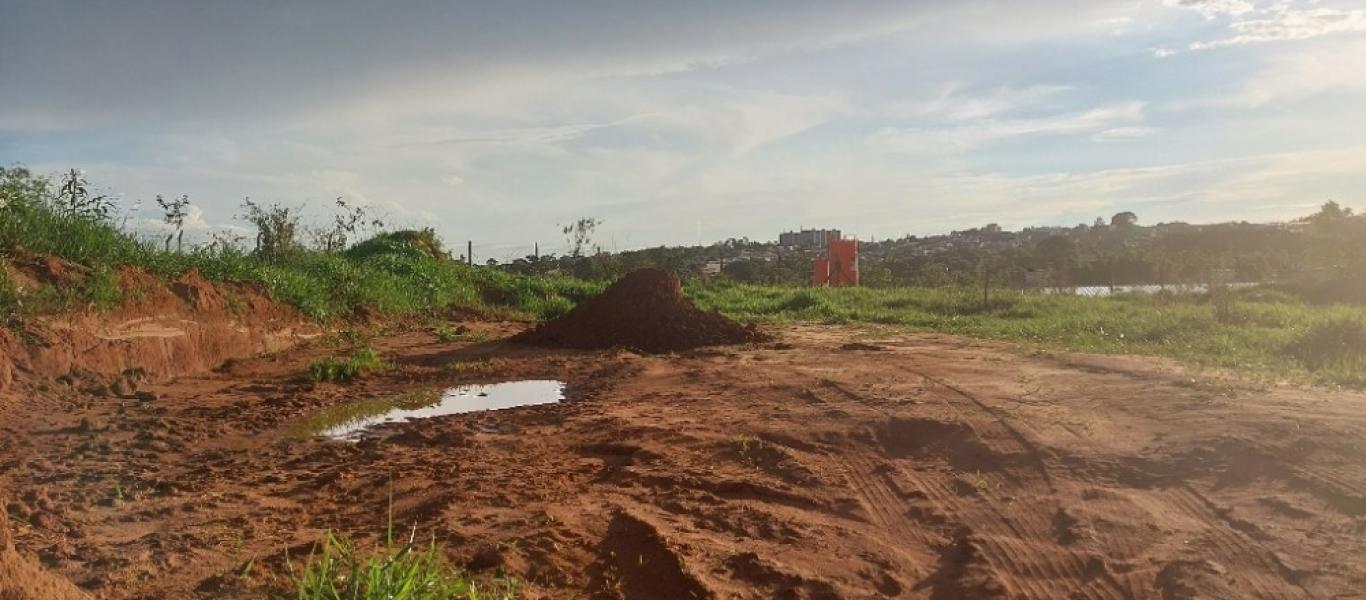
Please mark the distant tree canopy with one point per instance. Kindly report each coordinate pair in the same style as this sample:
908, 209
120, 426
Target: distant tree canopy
1124, 219
1327, 246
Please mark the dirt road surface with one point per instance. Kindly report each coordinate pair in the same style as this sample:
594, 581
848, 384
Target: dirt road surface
835, 463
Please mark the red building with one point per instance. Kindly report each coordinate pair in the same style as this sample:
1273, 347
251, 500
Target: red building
839, 266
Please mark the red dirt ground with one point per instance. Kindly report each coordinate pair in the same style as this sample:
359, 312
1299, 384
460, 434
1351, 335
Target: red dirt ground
644, 311
905, 466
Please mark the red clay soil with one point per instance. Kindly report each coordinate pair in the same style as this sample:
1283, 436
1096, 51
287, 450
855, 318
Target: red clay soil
644, 311
936, 468
165, 328
21, 579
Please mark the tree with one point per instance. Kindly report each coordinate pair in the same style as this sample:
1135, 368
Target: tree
1124, 219
1330, 212
174, 215
1059, 253
276, 228
350, 221
579, 234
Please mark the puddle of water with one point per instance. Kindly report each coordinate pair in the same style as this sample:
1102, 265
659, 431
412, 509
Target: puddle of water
351, 421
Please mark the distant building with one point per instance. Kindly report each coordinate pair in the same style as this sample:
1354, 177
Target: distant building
808, 238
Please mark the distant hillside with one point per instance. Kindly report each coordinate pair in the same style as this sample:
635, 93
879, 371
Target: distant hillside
1324, 252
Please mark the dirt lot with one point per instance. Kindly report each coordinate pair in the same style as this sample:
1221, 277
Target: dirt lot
910, 466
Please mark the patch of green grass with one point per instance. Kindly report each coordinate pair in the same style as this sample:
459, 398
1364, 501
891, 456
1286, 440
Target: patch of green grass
1334, 349
361, 362
339, 570
103, 289
10, 303
1259, 331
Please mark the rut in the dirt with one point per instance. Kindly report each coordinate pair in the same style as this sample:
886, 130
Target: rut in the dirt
644, 311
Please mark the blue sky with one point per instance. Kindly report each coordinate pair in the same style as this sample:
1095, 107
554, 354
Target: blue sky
683, 122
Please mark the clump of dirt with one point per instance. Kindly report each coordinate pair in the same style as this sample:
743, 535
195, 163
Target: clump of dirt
644, 311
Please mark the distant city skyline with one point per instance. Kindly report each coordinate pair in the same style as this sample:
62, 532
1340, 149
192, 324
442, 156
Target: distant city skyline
685, 123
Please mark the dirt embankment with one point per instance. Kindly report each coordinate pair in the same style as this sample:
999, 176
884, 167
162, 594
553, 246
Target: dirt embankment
163, 329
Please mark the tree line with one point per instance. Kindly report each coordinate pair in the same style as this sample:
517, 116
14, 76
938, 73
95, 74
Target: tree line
1324, 252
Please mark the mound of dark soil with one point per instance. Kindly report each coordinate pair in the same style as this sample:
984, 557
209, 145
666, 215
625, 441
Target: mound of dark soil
644, 311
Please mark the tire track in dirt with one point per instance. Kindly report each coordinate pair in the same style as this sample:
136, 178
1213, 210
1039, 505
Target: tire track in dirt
1031, 449
1019, 541
1000, 536
1332, 488
875, 496
1256, 563
1018, 551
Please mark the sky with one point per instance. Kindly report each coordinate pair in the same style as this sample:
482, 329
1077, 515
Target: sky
691, 122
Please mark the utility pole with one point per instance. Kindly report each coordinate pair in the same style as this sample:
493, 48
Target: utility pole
469, 252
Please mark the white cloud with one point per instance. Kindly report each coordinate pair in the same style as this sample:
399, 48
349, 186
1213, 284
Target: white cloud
957, 103
1295, 76
1123, 133
1285, 23
1211, 9
1278, 22
964, 137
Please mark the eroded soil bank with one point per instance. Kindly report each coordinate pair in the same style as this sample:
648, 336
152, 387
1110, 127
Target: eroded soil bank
162, 328
835, 463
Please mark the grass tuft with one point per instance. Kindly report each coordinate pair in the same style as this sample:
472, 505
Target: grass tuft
361, 362
337, 570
